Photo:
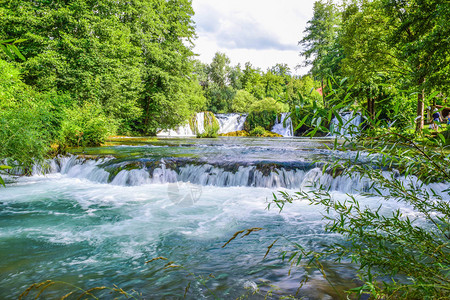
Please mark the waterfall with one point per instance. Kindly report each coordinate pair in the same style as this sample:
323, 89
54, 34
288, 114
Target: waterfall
231, 122
262, 175
200, 122
136, 173
351, 124
186, 129
227, 122
284, 125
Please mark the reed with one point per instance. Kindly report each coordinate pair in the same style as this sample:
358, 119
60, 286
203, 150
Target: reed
398, 256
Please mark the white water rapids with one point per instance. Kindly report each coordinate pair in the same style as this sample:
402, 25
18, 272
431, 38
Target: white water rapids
93, 221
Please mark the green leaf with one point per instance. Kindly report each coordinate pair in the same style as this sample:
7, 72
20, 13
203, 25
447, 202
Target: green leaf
432, 95
17, 52
301, 122
346, 97
19, 41
8, 51
338, 117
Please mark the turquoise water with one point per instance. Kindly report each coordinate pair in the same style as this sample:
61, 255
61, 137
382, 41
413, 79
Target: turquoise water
95, 220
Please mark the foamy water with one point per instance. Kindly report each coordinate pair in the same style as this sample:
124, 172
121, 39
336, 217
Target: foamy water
94, 222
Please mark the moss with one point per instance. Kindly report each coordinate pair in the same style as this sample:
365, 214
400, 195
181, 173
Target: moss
271, 134
193, 124
211, 126
235, 133
245, 133
261, 132
257, 131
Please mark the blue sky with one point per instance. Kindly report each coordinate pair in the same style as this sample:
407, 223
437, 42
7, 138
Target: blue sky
263, 32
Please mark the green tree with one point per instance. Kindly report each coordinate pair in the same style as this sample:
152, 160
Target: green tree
132, 58
252, 81
274, 85
242, 101
235, 77
219, 92
419, 28
319, 44
369, 60
219, 70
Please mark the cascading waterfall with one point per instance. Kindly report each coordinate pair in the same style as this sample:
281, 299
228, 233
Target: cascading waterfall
231, 122
351, 123
204, 174
283, 126
270, 175
227, 122
186, 130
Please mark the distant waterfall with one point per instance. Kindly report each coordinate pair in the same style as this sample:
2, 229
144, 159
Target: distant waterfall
283, 126
351, 123
231, 122
228, 123
188, 129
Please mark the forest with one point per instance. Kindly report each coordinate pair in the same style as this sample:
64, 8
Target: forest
88, 69
75, 73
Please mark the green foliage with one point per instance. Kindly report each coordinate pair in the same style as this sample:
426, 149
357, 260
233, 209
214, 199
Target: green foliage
134, 59
399, 256
86, 126
268, 104
257, 131
2, 168
211, 126
10, 49
220, 98
23, 135
252, 81
264, 119
242, 101
319, 41
209, 133
29, 121
381, 46
231, 89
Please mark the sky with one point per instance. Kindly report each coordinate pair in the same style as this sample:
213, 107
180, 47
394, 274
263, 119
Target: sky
262, 32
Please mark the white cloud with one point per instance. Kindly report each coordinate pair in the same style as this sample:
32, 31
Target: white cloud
261, 32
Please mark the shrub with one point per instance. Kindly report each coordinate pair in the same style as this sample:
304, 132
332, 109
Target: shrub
399, 256
29, 121
23, 138
86, 126
264, 119
258, 131
208, 133
268, 104
210, 124
243, 101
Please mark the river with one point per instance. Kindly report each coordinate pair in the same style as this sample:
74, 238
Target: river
98, 215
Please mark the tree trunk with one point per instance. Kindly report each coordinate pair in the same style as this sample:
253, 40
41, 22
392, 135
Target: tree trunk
420, 111
323, 95
373, 108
